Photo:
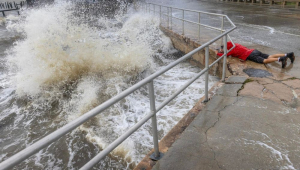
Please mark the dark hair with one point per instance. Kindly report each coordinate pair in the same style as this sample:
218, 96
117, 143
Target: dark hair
222, 46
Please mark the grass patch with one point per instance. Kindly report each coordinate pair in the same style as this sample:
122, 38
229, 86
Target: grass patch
292, 78
247, 81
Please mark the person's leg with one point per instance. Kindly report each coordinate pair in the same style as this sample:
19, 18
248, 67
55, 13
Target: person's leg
276, 55
290, 55
265, 58
280, 59
270, 60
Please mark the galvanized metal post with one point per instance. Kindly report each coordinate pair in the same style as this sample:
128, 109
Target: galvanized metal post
171, 18
199, 26
168, 17
225, 58
160, 13
206, 74
154, 9
222, 28
156, 155
182, 22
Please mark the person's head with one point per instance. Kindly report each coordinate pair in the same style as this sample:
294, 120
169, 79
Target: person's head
221, 49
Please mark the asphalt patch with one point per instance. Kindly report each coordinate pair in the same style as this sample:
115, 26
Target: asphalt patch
252, 72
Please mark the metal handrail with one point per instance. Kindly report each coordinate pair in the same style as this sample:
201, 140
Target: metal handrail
169, 21
32, 149
9, 6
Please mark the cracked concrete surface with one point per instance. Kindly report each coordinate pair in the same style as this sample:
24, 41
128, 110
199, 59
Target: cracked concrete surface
255, 125
285, 92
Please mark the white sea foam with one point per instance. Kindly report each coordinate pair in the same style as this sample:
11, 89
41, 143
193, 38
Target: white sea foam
56, 51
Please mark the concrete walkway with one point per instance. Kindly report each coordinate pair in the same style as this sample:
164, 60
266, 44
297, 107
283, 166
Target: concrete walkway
250, 123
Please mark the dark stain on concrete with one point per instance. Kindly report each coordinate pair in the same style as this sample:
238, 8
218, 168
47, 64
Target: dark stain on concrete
252, 72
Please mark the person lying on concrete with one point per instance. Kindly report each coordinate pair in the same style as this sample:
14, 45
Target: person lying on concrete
254, 55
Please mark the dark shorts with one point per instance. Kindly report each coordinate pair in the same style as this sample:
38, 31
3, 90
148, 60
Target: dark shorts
257, 56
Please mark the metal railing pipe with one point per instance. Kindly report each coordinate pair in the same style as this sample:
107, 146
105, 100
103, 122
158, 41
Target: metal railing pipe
182, 22
199, 26
225, 58
159, 13
168, 18
222, 28
154, 124
193, 10
230, 21
214, 28
171, 18
206, 74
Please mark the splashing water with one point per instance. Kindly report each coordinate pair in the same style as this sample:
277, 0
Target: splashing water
63, 67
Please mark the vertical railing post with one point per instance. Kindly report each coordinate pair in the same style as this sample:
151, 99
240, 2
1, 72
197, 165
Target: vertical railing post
168, 18
160, 14
199, 26
156, 154
222, 28
206, 73
171, 18
225, 58
182, 22
154, 9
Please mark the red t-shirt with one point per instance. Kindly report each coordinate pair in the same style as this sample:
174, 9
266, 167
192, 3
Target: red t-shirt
239, 51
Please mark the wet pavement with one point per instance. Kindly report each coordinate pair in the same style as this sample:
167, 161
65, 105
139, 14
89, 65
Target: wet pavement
249, 124
269, 29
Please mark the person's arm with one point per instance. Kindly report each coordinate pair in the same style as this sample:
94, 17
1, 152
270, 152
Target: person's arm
229, 46
218, 53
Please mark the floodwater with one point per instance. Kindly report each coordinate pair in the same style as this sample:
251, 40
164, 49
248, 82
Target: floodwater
55, 67
271, 29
